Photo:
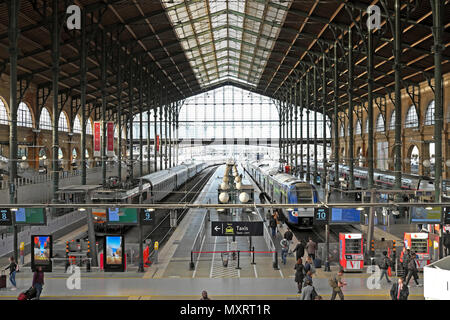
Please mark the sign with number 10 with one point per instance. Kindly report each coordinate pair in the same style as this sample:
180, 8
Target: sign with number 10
321, 216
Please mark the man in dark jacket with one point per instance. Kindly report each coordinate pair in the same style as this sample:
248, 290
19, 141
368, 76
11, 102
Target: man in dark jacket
311, 247
405, 256
299, 250
412, 270
288, 235
385, 262
38, 281
399, 290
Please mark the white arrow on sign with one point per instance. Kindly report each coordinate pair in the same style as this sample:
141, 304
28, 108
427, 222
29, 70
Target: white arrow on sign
217, 228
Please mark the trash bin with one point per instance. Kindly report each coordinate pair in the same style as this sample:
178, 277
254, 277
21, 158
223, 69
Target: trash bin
224, 256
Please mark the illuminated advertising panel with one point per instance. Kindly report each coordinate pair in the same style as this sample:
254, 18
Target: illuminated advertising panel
41, 252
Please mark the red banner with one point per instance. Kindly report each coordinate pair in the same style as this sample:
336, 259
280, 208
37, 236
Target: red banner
110, 141
157, 142
97, 138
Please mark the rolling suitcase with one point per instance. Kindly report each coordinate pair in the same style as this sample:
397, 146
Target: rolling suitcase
3, 280
27, 295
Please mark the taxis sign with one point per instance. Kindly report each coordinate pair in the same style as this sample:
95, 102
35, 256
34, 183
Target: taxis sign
236, 228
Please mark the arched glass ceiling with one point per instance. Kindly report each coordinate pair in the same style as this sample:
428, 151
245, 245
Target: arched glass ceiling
227, 39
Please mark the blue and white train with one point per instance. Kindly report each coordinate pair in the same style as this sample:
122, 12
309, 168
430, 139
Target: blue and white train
285, 188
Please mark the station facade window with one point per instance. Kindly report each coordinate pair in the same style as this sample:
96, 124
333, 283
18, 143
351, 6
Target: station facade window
392, 122
366, 126
429, 115
411, 120
380, 124
358, 129
24, 118
89, 126
77, 125
4, 119
45, 121
62, 123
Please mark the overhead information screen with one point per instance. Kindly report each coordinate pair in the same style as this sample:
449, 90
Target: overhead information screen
424, 215
31, 216
5, 217
345, 215
122, 215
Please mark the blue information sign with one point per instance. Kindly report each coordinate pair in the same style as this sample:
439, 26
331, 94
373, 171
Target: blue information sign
345, 215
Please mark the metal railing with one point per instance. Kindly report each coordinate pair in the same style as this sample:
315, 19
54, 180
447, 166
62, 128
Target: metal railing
196, 246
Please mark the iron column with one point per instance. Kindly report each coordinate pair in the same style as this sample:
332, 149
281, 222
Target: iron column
350, 108
324, 119
83, 96
336, 123
308, 162
370, 107
103, 153
398, 98
315, 122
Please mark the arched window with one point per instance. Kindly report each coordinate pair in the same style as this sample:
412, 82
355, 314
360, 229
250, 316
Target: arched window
45, 121
358, 127
4, 119
412, 120
24, 118
341, 132
62, 122
77, 125
366, 126
392, 122
429, 116
89, 126
380, 124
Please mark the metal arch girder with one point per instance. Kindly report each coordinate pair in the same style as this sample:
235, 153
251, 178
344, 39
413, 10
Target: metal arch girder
414, 96
23, 87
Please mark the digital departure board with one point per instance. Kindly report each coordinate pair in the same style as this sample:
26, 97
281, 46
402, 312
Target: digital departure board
30, 216
345, 215
122, 215
5, 217
426, 215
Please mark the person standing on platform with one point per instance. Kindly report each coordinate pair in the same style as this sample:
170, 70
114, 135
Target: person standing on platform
284, 249
336, 284
288, 235
299, 250
311, 247
399, 290
385, 262
404, 260
299, 274
38, 281
412, 270
12, 272
447, 243
309, 265
273, 224
308, 291
308, 277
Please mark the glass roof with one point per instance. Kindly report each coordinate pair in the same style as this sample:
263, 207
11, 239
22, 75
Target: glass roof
227, 39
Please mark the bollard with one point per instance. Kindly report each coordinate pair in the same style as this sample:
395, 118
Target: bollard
191, 264
238, 260
253, 258
275, 262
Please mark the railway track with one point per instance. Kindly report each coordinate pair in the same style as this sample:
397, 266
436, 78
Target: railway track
160, 230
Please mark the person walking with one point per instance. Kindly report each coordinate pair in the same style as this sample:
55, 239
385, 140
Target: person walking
308, 291
336, 284
309, 265
12, 272
447, 243
288, 235
399, 290
311, 248
299, 250
38, 281
384, 265
299, 274
204, 295
284, 249
308, 277
412, 270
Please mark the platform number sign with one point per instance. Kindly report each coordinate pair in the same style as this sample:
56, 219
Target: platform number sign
321, 216
5, 217
147, 216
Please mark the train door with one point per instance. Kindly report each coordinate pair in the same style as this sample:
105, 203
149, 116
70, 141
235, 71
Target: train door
351, 255
418, 243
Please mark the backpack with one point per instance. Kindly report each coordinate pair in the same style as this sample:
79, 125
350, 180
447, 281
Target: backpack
333, 282
284, 243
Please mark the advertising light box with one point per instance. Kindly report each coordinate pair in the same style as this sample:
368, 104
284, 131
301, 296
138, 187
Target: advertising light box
424, 215
41, 252
122, 216
114, 253
30, 216
345, 215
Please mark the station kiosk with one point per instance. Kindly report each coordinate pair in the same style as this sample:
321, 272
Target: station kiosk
418, 242
351, 255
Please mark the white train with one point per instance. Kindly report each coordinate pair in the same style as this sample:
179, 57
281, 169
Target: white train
285, 188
